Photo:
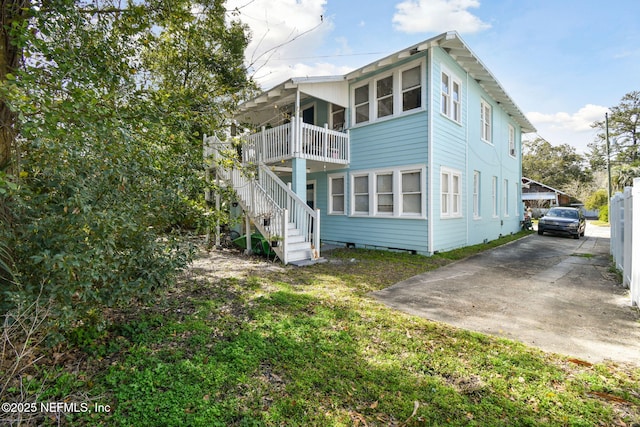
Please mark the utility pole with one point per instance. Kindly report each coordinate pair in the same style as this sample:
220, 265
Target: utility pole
606, 132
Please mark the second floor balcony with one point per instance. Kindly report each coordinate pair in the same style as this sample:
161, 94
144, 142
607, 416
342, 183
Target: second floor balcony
296, 139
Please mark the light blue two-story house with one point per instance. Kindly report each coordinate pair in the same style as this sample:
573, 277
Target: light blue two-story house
418, 151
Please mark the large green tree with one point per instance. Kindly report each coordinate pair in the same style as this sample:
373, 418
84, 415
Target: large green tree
624, 134
559, 166
108, 102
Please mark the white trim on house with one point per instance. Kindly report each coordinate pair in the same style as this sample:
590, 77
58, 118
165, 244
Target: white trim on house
391, 194
330, 203
450, 193
449, 107
397, 109
486, 122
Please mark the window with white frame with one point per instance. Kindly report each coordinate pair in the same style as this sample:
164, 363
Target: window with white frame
384, 193
395, 192
336, 194
450, 100
337, 117
450, 201
411, 192
384, 97
360, 194
445, 97
456, 99
494, 195
476, 194
361, 97
411, 89
389, 95
512, 141
485, 121
505, 197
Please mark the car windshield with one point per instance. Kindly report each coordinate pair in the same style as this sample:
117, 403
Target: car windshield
563, 213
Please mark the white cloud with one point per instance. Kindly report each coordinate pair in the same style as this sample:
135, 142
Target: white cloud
579, 121
569, 128
420, 16
283, 32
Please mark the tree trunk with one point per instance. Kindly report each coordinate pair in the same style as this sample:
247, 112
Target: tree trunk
10, 53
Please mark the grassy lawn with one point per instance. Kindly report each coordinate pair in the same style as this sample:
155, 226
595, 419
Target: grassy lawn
307, 346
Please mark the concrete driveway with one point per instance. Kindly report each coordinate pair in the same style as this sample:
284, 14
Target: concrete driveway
552, 292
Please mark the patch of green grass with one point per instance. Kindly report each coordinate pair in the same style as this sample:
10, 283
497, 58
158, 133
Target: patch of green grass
583, 255
308, 347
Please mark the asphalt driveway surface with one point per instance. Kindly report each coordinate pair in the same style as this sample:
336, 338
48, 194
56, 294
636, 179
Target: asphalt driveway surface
552, 292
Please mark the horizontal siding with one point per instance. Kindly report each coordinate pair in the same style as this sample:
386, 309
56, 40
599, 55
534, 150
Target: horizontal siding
391, 142
449, 150
397, 233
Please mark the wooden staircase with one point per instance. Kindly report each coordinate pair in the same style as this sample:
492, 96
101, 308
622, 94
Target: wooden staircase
283, 218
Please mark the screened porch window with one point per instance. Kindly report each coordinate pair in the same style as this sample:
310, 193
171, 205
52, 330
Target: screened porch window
362, 103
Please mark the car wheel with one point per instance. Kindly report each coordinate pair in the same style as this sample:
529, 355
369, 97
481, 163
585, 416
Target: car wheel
576, 236
540, 231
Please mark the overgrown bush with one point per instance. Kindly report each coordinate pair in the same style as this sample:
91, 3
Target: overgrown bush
603, 214
22, 331
110, 104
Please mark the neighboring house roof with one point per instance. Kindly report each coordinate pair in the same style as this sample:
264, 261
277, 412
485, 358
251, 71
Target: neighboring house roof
541, 191
335, 88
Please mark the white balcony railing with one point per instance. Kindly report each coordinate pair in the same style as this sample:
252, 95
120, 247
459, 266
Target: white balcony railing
296, 139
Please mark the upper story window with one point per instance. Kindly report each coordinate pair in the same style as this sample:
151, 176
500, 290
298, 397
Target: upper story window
337, 117
512, 141
451, 95
411, 89
390, 95
384, 96
361, 96
485, 121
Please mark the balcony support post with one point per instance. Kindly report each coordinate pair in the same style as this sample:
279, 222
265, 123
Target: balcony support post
299, 177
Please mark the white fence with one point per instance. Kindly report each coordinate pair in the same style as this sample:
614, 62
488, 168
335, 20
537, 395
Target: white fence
624, 213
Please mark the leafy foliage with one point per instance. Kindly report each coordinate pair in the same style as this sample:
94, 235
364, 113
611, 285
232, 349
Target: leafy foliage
624, 134
557, 166
597, 199
111, 104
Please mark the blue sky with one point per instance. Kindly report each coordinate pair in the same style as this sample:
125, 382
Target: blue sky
564, 62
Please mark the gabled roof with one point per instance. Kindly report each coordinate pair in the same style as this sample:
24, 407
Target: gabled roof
460, 52
335, 88
527, 181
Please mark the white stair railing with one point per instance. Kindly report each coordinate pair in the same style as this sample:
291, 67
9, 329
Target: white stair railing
306, 220
268, 201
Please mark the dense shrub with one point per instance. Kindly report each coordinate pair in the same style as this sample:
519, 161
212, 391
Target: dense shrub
603, 215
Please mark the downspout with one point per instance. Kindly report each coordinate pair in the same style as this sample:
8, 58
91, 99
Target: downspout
430, 213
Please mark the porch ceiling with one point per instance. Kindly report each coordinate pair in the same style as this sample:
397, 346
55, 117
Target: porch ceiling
271, 104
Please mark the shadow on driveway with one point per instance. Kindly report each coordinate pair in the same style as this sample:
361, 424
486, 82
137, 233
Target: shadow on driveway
551, 292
